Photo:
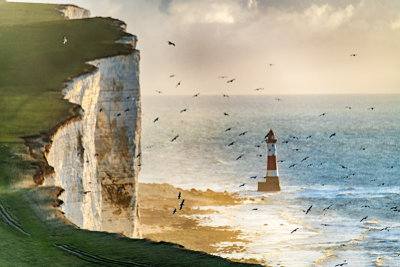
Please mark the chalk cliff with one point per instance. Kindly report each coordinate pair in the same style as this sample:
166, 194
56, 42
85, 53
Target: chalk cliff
74, 12
95, 156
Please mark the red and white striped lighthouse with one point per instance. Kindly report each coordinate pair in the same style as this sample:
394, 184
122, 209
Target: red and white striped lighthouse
272, 177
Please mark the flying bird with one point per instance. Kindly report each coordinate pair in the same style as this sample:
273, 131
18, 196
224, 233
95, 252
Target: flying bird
231, 143
253, 177
65, 40
240, 157
255, 209
341, 264
176, 137
353, 55
270, 64
323, 114
158, 91
171, 43
242, 185
364, 218
371, 108
155, 120
327, 208
309, 209
343, 167
179, 83
126, 110
172, 75
181, 204
139, 155
119, 114
196, 95
225, 95
183, 110
226, 114
332, 135
259, 89
243, 133
348, 107
291, 166
294, 230
174, 211
179, 195
305, 159
228, 129
230, 81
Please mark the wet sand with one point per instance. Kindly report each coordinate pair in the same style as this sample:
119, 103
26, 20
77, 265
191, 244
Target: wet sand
157, 201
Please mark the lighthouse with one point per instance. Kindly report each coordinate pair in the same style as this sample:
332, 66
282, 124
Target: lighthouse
272, 178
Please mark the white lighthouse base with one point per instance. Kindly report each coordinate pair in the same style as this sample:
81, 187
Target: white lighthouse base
270, 185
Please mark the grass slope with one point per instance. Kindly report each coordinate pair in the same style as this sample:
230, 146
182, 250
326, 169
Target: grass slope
33, 67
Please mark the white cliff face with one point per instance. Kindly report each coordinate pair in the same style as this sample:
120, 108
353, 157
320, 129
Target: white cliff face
74, 12
96, 159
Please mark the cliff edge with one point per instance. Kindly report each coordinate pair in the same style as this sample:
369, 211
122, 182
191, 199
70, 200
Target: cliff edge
94, 157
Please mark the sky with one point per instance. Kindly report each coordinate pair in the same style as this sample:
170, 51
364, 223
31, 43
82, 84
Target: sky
308, 43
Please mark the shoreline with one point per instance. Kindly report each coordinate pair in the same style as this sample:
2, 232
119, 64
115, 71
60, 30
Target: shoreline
158, 223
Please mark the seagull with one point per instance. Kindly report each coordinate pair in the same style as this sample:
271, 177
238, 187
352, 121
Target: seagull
327, 208
226, 114
278, 99
253, 177
179, 195
371, 108
174, 211
126, 110
231, 143
176, 137
158, 91
259, 155
230, 81
343, 167
341, 264
243, 133
181, 204
171, 43
259, 89
309, 137
65, 40
225, 95
179, 83
155, 120
242, 185
119, 114
364, 218
228, 129
294, 230
309, 209
291, 166
139, 155
255, 209
86, 192
348, 107
353, 55
305, 159
183, 110
332, 135
240, 157
172, 75
196, 95
323, 114
100, 109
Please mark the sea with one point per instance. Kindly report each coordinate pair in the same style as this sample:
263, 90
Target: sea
338, 156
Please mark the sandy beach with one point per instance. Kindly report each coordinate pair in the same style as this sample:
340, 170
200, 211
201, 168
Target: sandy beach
157, 201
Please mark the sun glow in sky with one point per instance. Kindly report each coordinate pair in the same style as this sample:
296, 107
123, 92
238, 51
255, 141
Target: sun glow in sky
308, 42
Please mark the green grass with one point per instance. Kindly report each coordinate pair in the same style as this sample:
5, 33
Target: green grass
34, 65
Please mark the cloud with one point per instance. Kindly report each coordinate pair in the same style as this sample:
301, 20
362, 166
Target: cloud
190, 12
164, 5
395, 25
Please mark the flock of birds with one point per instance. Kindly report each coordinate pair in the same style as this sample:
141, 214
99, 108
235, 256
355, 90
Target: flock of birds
332, 135
180, 204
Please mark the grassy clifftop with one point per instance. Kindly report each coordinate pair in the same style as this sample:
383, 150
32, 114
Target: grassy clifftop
34, 65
